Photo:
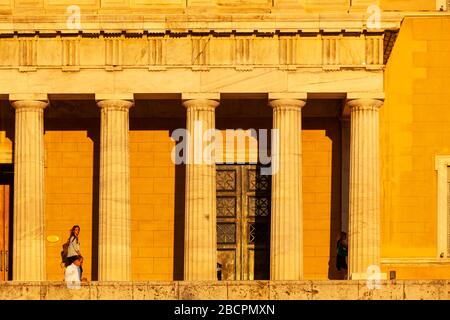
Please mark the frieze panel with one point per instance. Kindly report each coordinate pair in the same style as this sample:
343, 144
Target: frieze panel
135, 52
9, 52
159, 52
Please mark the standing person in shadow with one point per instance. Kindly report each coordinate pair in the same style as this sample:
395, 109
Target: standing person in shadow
342, 253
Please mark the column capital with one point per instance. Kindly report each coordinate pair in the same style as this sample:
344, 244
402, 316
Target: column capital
287, 104
32, 105
121, 105
29, 101
201, 104
364, 104
207, 101
287, 101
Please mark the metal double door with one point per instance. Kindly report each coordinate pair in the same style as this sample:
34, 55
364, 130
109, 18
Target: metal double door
243, 222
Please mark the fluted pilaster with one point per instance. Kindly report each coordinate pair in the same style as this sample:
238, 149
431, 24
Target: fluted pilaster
286, 240
364, 220
200, 254
114, 225
29, 219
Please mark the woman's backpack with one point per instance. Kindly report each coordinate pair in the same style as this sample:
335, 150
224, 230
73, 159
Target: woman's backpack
64, 252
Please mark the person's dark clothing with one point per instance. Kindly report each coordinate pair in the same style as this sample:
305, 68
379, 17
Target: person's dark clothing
342, 252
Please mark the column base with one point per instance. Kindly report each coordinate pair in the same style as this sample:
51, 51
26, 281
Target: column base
368, 276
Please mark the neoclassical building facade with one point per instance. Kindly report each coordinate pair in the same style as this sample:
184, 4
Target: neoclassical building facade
90, 104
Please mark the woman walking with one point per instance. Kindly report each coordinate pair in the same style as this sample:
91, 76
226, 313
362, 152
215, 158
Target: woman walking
73, 250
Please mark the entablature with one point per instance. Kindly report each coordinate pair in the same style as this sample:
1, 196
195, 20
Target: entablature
330, 51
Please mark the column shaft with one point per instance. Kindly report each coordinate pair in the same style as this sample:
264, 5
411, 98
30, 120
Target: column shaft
286, 243
115, 219
364, 219
200, 256
29, 219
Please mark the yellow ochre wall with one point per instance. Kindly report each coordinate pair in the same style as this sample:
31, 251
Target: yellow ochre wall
157, 195
415, 127
156, 231
69, 176
321, 145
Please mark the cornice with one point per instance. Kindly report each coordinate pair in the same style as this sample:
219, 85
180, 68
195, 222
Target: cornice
199, 23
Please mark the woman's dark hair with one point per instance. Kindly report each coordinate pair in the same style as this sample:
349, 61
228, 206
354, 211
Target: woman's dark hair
72, 231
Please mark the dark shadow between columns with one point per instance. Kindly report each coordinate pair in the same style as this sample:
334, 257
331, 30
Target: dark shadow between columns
179, 222
7, 124
335, 214
94, 134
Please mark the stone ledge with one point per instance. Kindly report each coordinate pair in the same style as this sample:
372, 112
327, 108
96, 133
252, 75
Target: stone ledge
229, 290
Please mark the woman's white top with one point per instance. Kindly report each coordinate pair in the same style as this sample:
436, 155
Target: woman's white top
74, 247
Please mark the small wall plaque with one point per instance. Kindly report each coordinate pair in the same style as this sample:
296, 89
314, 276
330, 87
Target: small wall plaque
53, 238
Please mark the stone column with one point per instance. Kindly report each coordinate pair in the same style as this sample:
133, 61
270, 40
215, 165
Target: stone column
200, 248
364, 215
29, 219
115, 219
286, 240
